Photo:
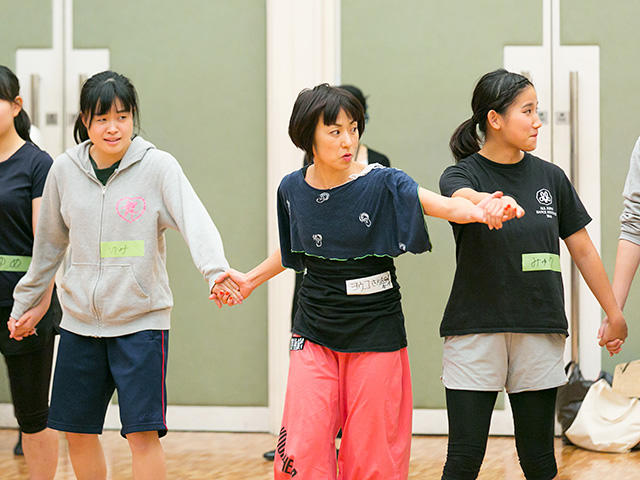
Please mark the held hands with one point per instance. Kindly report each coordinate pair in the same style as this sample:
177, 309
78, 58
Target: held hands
26, 324
499, 209
238, 282
612, 333
225, 291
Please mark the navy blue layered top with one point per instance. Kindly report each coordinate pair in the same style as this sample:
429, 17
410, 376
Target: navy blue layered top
348, 232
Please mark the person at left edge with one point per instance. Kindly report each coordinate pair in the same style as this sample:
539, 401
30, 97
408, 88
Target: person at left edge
110, 199
23, 170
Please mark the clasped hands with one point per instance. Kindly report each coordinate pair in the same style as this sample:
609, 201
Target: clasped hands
498, 209
26, 324
231, 288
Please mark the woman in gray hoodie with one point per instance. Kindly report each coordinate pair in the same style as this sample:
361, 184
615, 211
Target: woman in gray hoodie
110, 199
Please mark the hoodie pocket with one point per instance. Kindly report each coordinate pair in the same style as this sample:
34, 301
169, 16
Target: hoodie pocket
76, 291
119, 296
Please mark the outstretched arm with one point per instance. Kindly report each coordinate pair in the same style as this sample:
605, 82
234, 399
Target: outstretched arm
458, 210
247, 282
613, 331
497, 210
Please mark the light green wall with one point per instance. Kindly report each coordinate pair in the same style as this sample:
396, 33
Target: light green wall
200, 71
26, 27
418, 61
614, 27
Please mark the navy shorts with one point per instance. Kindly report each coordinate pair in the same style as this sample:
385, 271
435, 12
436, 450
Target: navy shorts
89, 369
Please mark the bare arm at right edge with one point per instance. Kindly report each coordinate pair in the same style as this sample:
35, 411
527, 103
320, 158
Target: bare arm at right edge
628, 254
267, 269
49, 246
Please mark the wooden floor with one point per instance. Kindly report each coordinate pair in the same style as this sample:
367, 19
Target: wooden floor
238, 456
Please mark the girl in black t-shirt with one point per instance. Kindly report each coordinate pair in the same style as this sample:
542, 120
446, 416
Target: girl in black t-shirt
504, 324
23, 169
343, 223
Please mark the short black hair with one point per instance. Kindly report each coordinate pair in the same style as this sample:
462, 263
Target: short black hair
97, 96
322, 100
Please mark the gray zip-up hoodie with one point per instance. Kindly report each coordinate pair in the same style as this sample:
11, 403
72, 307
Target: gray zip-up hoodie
116, 282
630, 218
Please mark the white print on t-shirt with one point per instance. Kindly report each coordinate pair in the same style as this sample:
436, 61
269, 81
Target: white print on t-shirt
368, 285
544, 197
402, 247
364, 218
318, 239
545, 200
323, 197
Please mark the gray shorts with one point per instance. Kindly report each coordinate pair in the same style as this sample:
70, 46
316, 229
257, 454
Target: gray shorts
492, 361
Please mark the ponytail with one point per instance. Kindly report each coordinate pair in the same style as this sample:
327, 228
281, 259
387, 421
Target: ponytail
23, 125
465, 140
80, 133
494, 91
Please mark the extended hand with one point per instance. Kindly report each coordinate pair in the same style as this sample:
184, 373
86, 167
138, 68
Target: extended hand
25, 325
226, 292
499, 209
240, 282
612, 334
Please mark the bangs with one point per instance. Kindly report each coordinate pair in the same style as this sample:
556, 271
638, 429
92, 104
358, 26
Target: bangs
7, 90
105, 95
338, 100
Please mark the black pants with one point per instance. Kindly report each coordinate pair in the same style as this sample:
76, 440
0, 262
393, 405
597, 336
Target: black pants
29, 376
469, 415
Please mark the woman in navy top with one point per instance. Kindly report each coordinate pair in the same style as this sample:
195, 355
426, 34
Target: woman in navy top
343, 223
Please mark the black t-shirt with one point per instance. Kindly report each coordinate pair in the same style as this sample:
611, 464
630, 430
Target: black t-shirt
103, 174
343, 236
509, 280
326, 315
22, 178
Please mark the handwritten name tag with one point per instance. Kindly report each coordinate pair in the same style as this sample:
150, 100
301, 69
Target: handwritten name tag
368, 285
126, 248
533, 262
14, 263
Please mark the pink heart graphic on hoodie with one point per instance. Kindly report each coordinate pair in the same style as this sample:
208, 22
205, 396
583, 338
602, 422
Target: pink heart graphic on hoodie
131, 208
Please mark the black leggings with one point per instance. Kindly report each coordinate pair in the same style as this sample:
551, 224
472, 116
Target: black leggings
469, 415
29, 376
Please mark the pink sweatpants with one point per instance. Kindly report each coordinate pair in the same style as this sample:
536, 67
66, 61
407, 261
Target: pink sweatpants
367, 394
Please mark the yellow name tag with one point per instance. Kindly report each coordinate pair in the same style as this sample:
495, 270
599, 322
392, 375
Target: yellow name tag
534, 262
126, 248
14, 263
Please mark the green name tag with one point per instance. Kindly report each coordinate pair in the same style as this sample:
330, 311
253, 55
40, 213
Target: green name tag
127, 248
533, 262
14, 263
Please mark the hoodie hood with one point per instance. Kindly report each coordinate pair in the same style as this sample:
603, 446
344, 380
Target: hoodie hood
136, 151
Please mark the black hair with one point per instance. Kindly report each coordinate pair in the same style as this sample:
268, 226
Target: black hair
356, 92
98, 95
322, 100
9, 90
494, 91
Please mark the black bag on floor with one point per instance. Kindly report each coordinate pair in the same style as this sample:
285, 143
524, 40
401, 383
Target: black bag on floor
571, 395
